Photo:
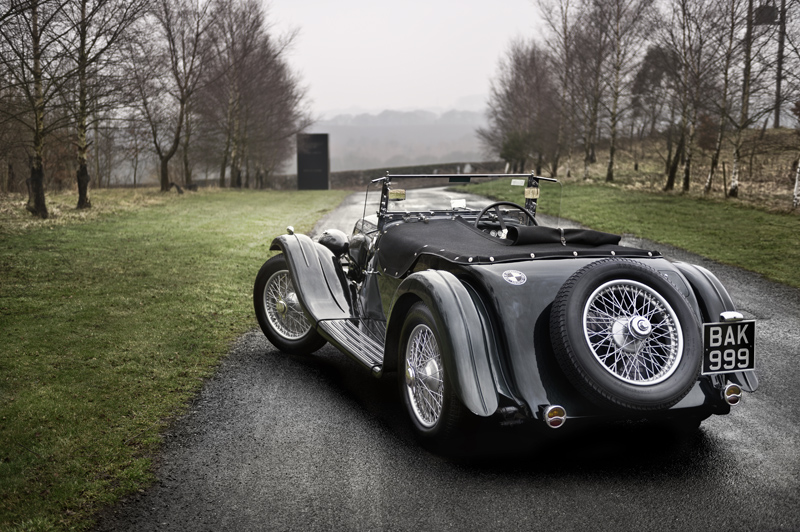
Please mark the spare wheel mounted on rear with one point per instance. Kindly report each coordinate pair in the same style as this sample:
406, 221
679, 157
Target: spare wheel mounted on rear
625, 336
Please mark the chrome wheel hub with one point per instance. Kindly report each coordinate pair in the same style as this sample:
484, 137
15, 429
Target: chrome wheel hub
628, 333
640, 327
288, 303
633, 332
411, 375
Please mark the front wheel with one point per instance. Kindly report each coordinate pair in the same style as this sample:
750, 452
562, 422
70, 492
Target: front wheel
279, 312
436, 413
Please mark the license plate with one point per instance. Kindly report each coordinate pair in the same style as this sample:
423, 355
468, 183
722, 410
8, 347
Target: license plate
729, 347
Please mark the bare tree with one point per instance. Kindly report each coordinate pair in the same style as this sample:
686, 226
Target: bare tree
32, 56
98, 28
523, 104
757, 62
254, 108
237, 27
12, 132
697, 55
653, 96
730, 11
625, 22
135, 143
167, 69
274, 105
560, 17
586, 82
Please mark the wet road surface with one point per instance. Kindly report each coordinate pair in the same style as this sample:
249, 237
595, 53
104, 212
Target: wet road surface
280, 442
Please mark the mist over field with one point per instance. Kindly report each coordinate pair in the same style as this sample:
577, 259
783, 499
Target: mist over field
401, 138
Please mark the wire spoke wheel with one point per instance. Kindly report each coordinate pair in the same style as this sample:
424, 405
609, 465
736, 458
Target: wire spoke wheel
438, 416
278, 310
633, 332
282, 307
424, 375
626, 336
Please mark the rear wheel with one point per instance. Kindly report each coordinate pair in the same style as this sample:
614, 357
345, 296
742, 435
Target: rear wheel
437, 415
279, 312
625, 336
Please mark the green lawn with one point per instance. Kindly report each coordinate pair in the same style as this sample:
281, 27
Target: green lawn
109, 322
725, 231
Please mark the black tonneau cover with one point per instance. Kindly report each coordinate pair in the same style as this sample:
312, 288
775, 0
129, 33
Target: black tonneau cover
459, 242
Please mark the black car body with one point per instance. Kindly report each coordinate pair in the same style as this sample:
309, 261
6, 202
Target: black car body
486, 313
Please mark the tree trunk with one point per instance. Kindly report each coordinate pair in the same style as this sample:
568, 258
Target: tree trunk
779, 70
615, 94
135, 166
673, 169
612, 149
717, 147
586, 151
687, 165
83, 186
98, 175
745, 112
83, 171
670, 135
586, 162
554, 163
668, 162
187, 133
733, 192
36, 200
796, 195
164, 171
223, 167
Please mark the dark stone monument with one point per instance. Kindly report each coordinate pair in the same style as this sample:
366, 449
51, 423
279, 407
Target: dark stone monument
313, 162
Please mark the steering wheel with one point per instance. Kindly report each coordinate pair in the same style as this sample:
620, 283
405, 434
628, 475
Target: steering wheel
502, 222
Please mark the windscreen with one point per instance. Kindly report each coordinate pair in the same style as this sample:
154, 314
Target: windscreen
425, 195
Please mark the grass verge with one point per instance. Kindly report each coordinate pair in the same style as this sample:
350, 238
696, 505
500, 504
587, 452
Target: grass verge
725, 231
108, 326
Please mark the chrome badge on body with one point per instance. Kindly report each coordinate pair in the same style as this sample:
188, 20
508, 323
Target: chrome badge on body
514, 277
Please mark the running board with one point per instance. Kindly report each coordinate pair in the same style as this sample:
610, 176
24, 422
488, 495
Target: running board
350, 338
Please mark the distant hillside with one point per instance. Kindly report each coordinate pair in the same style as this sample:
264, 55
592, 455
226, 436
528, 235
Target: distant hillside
401, 138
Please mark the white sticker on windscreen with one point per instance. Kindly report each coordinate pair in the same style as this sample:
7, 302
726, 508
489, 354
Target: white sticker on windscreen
514, 277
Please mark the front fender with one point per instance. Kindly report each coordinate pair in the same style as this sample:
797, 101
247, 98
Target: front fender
714, 300
318, 279
465, 348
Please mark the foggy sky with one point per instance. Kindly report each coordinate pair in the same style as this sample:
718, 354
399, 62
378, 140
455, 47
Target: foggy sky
369, 55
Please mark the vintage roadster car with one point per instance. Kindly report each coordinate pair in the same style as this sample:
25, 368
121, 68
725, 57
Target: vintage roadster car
486, 313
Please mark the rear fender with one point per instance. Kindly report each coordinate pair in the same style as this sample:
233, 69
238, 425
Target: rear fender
466, 347
318, 278
714, 300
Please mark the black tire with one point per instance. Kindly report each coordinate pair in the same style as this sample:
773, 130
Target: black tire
437, 414
625, 336
279, 312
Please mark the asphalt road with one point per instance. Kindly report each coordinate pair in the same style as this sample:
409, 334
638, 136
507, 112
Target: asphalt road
279, 442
